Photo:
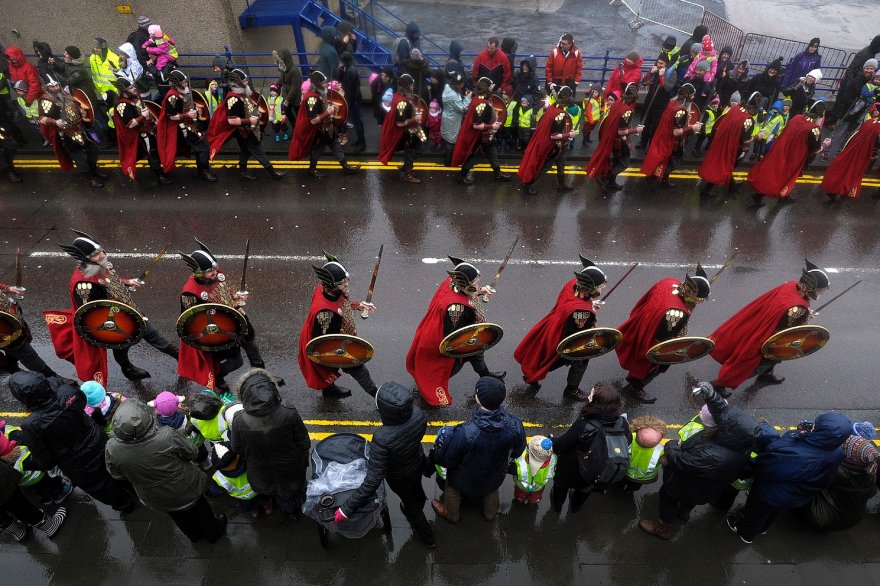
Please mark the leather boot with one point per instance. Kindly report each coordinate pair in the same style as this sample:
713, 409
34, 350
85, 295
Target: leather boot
335, 392
465, 178
574, 393
409, 177
276, 175
768, 378
171, 350
423, 531
499, 176
350, 169
246, 175
132, 372
315, 173
657, 528
207, 175
440, 510
636, 391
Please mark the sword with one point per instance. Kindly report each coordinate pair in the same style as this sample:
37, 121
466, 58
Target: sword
150, 266
494, 282
619, 281
724, 266
242, 289
21, 290
365, 314
835, 298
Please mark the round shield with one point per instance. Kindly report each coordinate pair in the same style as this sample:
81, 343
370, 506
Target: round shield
85, 105
500, 108
262, 108
794, 343
203, 111
680, 350
154, 108
337, 99
11, 328
339, 350
694, 114
588, 344
471, 340
211, 327
109, 324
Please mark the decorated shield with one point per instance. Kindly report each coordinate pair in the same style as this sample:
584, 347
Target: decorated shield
154, 108
109, 324
587, 344
694, 114
263, 109
471, 340
200, 103
794, 343
338, 100
85, 105
339, 350
211, 327
500, 109
11, 328
680, 350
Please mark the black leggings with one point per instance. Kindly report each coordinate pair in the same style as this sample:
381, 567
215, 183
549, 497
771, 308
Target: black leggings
19, 507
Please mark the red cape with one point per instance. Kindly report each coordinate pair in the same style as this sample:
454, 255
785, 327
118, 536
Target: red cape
166, 136
127, 141
600, 160
717, 167
662, 143
775, 174
640, 329
468, 137
51, 134
303, 132
317, 377
219, 128
196, 365
844, 175
738, 341
540, 147
537, 351
391, 132
429, 368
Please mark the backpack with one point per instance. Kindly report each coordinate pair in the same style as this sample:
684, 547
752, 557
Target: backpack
607, 459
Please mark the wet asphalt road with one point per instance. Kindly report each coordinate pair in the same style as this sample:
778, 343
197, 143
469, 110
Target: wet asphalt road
291, 221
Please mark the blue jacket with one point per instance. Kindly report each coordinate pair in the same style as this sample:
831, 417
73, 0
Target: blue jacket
479, 451
792, 469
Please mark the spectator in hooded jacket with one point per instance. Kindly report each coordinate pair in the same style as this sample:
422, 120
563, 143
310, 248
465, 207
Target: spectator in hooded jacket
138, 37
846, 93
525, 80
768, 83
478, 452
493, 64
44, 53
509, 46
565, 66
396, 456
272, 438
668, 50
627, 72
351, 88
290, 79
410, 40
735, 82
20, 69
790, 471
700, 31
455, 103
382, 84
453, 62
328, 57
346, 40
802, 63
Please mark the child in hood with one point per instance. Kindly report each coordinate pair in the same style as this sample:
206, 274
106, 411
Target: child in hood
230, 477
533, 470
160, 47
101, 405
707, 54
646, 449
435, 114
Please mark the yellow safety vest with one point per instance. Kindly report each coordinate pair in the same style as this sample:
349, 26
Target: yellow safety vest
527, 482
213, 103
278, 113
690, 428
30, 112
238, 487
710, 121
643, 462
576, 119
525, 118
103, 75
594, 107
28, 477
212, 429
511, 108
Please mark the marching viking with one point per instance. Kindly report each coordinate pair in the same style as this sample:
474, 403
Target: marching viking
843, 177
315, 129
402, 130
612, 153
331, 313
731, 135
738, 341
20, 349
180, 128
94, 278
575, 310
455, 304
549, 145
135, 131
207, 284
661, 314
61, 121
667, 145
239, 116
477, 135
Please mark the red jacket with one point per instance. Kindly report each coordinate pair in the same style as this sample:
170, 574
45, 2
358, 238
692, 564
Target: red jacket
562, 68
493, 67
625, 73
24, 71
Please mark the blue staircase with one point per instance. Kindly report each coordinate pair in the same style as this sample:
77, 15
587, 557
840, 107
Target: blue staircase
375, 35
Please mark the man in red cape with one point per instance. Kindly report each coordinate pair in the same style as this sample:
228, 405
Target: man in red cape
330, 313
207, 284
60, 119
478, 134
549, 145
402, 129
843, 177
315, 129
612, 153
455, 305
776, 174
667, 144
730, 135
661, 314
574, 311
738, 341
179, 129
135, 131
239, 116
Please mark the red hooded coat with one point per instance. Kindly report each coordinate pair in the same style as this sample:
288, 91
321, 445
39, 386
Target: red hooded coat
26, 72
625, 73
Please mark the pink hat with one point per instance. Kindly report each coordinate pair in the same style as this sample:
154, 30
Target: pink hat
155, 30
707, 44
166, 403
706, 416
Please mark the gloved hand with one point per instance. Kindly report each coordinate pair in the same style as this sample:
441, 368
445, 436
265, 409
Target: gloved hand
339, 516
704, 390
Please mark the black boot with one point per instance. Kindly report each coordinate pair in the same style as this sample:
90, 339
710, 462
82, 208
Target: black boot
164, 179
350, 169
768, 378
335, 392
465, 178
499, 176
706, 189
276, 175
635, 390
171, 350
574, 393
530, 188
246, 175
132, 372
313, 171
423, 531
207, 175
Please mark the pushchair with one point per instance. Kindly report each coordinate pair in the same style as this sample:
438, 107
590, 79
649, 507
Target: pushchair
339, 465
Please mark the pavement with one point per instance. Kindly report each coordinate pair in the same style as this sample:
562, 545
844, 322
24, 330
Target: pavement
289, 222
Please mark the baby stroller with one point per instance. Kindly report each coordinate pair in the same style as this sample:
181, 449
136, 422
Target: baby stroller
339, 465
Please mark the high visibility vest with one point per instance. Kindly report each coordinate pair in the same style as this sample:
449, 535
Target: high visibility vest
538, 115
278, 112
30, 112
593, 109
28, 477
643, 462
103, 75
172, 51
773, 127
238, 487
576, 119
525, 481
511, 108
525, 118
690, 428
212, 429
213, 102
4, 86
711, 117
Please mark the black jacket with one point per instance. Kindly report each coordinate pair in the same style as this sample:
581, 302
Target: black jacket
43, 52
765, 85
271, 436
291, 79
567, 446
396, 449
525, 80
841, 505
137, 38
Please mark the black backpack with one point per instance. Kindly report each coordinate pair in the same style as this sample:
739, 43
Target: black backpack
606, 460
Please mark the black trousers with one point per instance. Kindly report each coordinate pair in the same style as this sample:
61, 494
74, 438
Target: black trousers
250, 147
198, 522
619, 160
576, 370
362, 376
411, 494
21, 508
322, 141
8, 149
148, 149
199, 147
412, 148
559, 494
668, 506
84, 157
757, 517
478, 362
24, 353
557, 157
98, 484
354, 117
487, 149
152, 337
448, 148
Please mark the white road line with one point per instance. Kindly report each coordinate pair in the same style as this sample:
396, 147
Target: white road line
285, 257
